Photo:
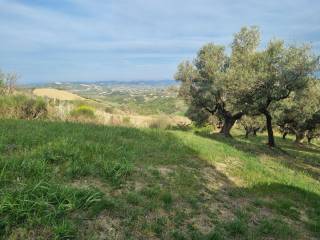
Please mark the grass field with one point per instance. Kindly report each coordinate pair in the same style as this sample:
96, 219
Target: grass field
77, 181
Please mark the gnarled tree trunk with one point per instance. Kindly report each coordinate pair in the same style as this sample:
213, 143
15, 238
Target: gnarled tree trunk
284, 135
309, 139
227, 125
229, 121
299, 136
247, 133
268, 116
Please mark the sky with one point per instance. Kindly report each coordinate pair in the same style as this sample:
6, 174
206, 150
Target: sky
101, 40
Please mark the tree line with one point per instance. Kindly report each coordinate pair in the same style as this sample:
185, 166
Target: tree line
278, 82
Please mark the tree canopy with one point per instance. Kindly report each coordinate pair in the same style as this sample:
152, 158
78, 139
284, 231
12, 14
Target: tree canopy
248, 81
301, 112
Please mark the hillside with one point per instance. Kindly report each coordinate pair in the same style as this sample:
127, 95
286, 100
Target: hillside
77, 181
56, 94
139, 98
121, 109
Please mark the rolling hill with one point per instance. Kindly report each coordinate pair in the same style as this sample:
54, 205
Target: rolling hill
56, 94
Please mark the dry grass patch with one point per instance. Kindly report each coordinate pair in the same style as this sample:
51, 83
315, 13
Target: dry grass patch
56, 94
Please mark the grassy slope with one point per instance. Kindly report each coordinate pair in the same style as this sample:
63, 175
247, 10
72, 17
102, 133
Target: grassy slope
63, 181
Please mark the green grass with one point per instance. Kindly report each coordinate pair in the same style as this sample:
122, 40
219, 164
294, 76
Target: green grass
81, 181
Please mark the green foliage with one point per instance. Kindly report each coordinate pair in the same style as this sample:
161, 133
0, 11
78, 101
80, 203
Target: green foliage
236, 227
126, 120
313, 133
83, 111
33, 109
40, 202
212, 82
23, 107
252, 124
301, 111
248, 81
109, 109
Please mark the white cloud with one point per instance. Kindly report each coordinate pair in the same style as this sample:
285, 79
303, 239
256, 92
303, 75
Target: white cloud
59, 39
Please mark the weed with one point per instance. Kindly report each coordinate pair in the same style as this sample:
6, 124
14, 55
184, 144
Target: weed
167, 198
275, 228
236, 227
134, 198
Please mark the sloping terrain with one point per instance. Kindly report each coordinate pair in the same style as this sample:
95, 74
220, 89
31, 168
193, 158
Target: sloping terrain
77, 181
56, 94
116, 117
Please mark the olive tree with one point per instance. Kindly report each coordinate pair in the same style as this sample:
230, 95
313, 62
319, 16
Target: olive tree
314, 133
209, 84
280, 72
299, 113
252, 124
247, 81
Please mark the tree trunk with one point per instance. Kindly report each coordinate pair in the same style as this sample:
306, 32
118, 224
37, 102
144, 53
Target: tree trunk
309, 140
228, 124
284, 135
271, 141
299, 137
247, 133
255, 131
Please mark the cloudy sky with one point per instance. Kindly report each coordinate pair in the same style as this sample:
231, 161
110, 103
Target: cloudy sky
101, 40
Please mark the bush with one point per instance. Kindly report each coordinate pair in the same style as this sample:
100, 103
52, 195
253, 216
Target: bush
109, 109
126, 120
33, 109
83, 111
23, 107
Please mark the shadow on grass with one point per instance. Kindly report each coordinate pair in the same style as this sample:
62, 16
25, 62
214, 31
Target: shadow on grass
299, 206
102, 150
299, 158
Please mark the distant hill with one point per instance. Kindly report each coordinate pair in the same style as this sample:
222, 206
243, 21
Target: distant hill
142, 82
133, 83
56, 94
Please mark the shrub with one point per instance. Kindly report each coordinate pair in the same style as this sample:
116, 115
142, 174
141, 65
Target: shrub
23, 107
126, 120
109, 109
83, 111
33, 109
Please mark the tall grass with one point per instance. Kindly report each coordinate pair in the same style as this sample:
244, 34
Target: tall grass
83, 181
23, 107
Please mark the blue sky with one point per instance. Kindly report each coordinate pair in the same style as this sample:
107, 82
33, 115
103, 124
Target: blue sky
101, 40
